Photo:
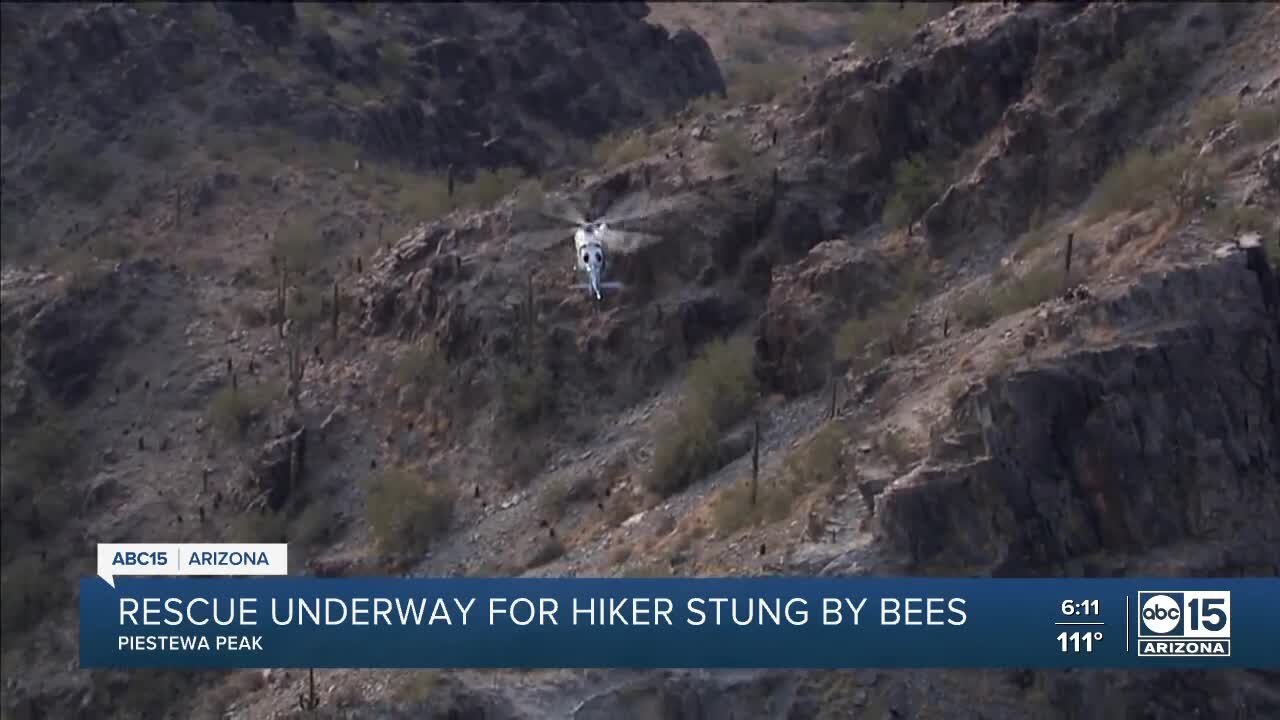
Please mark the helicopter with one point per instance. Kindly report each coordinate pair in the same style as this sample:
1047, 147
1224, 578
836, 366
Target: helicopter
595, 238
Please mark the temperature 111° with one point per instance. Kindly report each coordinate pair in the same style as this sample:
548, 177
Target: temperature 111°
1074, 642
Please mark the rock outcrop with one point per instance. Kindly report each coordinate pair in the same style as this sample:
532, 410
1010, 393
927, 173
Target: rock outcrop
1166, 438
68, 331
834, 282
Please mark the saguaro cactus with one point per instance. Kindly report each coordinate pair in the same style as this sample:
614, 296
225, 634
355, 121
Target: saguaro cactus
310, 701
336, 309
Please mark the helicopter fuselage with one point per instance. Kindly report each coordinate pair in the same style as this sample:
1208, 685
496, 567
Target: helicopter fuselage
588, 245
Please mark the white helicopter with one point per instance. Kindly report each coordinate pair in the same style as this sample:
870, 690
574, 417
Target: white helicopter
594, 239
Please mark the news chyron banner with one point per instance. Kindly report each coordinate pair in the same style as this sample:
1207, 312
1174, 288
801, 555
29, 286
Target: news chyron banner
168, 619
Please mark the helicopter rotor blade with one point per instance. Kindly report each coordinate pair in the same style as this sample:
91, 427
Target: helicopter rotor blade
564, 211
624, 242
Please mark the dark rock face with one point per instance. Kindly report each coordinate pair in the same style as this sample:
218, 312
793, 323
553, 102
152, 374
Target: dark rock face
807, 300
472, 85
71, 335
490, 75
1024, 71
1172, 438
1052, 152
281, 466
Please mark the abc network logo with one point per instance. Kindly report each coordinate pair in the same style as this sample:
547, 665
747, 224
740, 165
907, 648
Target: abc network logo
1188, 623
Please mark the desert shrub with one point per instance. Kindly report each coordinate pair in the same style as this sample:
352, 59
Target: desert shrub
233, 410
395, 58
818, 461
617, 149
883, 26
916, 185
684, 450
528, 395
1144, 178
311, 527
719, 389
732, 152
418, 686
732, 509
1038, 233
547, 550
407, 512
156, 144
647, 570
1229, 219
555, 497
83, 178
747, 49
204, 18
1211, 114
896, 448
422, 366
762, 82
722, 379
1260, 122
28, 592
260, 526
867, 340
298, 245
814, 463
421, 197
489, 186
34, 460
307, 307
1141, 73
978, 308
783, 32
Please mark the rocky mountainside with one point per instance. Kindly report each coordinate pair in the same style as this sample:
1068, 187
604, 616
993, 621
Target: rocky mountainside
474, 85
999, 287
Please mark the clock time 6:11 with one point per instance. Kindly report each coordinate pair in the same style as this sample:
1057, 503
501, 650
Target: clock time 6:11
1079, 607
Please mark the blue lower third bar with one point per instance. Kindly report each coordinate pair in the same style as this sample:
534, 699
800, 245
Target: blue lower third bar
678, 623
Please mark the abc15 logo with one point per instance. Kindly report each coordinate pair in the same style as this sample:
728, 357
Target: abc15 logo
1199, 614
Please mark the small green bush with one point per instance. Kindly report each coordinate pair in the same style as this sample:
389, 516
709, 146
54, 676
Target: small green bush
865, 341
1211, 114
489, 186
407, 512
1141, 72
816, 462
233, 410
732, 152
979, 308
1260, 123
916, 185
422, 366
28, 593
84, 179
35, 458
895, 447
720, 388
527, 395
156, 144
883, 26
1145, 178
755, 84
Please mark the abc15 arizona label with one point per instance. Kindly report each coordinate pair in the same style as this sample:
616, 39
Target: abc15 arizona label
1184, 623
